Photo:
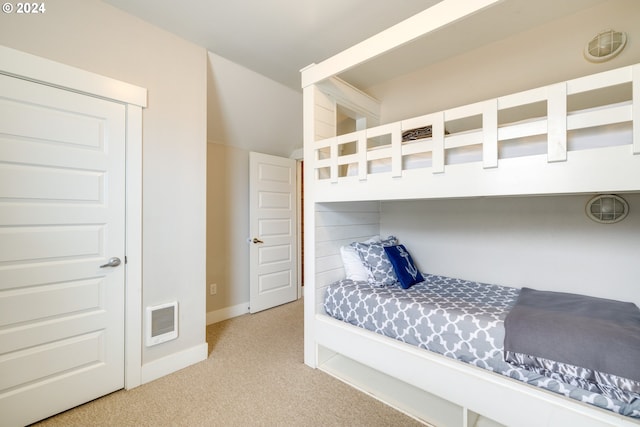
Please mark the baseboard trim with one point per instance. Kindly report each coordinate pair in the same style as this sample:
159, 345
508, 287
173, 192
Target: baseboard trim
174, 362
227, 313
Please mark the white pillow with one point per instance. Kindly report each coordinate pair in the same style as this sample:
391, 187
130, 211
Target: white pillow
353, 267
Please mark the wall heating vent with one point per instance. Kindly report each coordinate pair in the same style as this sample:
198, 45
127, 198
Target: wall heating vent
162, 323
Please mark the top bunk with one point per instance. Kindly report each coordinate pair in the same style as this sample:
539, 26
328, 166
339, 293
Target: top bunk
480, 150
580, 135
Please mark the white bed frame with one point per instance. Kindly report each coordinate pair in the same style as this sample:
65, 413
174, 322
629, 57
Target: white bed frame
426, 385
602, 169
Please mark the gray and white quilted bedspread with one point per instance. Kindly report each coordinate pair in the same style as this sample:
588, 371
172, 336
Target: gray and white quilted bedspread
460, 319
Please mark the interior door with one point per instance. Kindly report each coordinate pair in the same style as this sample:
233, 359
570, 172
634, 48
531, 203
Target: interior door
273, 254
62, 240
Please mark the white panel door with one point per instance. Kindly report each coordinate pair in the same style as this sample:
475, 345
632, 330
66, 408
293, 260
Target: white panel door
273, 256
62, 217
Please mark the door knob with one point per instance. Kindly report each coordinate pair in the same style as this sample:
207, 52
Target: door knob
256, 240
113, 262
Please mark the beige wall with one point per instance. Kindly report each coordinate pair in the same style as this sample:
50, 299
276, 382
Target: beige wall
250, 111
544, 242
228, 227
91, 35
246, 112
547, 54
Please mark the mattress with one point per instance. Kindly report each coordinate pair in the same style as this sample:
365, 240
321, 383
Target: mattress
459, 319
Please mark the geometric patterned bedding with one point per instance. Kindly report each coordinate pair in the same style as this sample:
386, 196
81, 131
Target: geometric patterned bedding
460, 319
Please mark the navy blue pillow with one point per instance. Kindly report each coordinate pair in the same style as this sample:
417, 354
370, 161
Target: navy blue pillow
403, 266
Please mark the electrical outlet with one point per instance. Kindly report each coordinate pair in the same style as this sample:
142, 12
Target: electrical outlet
213, 288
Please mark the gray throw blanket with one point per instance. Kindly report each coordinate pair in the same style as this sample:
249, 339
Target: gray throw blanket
595, 333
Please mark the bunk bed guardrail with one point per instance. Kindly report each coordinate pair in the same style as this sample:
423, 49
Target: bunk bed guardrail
330, 154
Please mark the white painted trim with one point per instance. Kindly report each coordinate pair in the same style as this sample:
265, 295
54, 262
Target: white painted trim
174, 362
299, 225
635, 70
31, 67
352, 99
51, 73
297, 154
227, 313
418, 25
133, 275
309, 128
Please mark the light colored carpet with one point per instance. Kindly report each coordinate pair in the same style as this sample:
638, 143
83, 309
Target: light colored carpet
254, 376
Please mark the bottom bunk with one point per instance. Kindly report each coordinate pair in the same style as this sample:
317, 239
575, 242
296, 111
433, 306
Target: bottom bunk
456, 320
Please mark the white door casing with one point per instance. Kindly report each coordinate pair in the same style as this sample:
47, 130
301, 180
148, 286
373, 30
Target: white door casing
62, 216
273, 229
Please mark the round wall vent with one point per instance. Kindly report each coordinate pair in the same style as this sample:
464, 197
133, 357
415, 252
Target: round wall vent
606, 45
607, 208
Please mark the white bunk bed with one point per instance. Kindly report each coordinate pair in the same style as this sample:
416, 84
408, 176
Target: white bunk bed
529, 156
549, 151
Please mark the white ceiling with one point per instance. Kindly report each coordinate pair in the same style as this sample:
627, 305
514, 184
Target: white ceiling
275, 38
494, 23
